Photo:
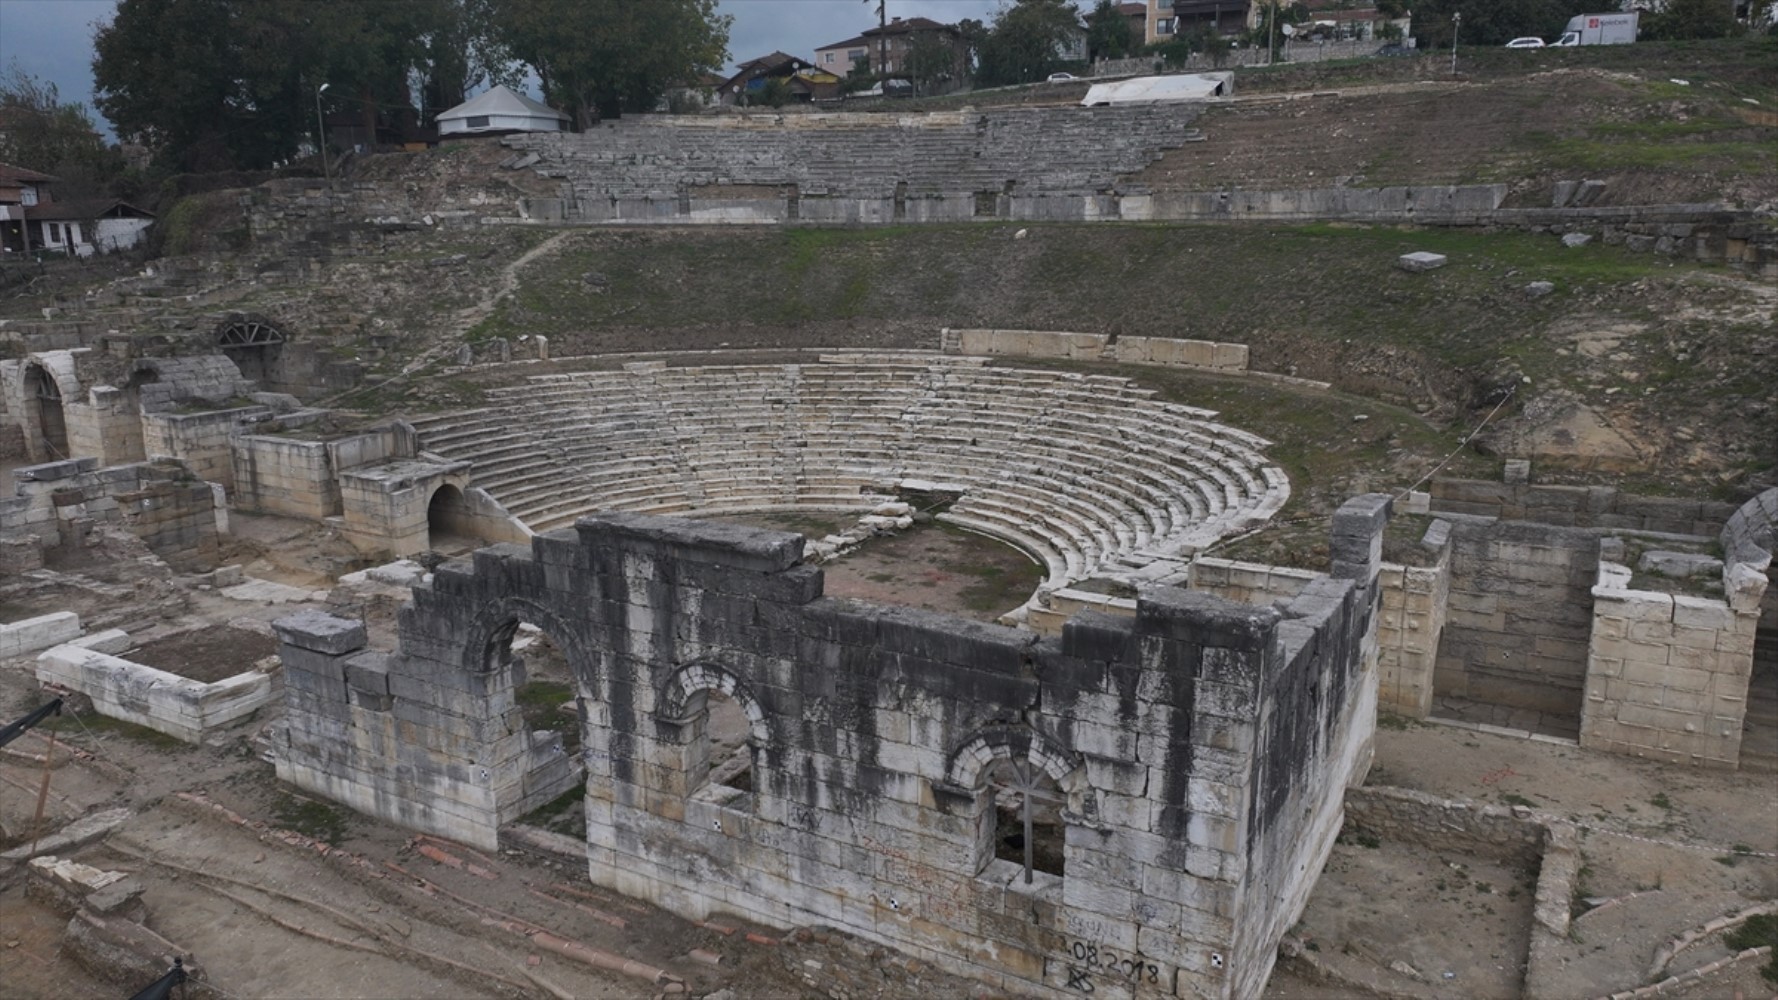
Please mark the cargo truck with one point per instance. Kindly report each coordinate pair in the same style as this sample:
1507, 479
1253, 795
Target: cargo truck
1599, 29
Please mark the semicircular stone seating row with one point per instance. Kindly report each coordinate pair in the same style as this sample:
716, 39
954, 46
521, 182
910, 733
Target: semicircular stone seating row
1089, 474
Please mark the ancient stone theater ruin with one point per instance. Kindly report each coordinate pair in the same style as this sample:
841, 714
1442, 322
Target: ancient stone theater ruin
1125, 780
1190, 761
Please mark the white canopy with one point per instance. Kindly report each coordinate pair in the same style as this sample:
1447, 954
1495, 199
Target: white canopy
501, 110
1159, 89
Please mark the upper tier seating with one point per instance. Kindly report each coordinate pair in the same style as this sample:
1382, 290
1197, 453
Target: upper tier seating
1089, 474
1000, 150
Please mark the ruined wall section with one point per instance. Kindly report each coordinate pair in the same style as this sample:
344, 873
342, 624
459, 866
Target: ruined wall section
1183, 745
62, 504
1578, 506
1519, 616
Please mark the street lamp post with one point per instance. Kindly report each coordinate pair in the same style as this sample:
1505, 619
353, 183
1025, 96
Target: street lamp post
321, 136
1456, 22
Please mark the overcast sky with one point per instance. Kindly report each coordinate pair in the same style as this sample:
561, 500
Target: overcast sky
53, 39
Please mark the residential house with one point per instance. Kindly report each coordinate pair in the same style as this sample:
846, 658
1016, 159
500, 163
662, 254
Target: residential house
32, 221
20, 189
1339, 19
86, 226
750, 78
885, 51
1225, 17
841, 58
1158, 21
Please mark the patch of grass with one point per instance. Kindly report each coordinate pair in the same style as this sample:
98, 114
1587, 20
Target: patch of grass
70, 724
565, 814
1758, 931
1660, 801
1396, 723
540, 702
311, 818
1515, 799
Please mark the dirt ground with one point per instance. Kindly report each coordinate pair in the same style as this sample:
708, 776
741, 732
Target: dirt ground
207, 655
1664, 850
933, 566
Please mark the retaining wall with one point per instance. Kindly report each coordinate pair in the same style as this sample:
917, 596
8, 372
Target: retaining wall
178, 706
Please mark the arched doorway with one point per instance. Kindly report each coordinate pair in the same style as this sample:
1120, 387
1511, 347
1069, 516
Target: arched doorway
254, 345
1028, 826
449, 524
535, 660
42, 392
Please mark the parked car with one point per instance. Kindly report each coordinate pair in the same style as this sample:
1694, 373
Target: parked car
1525, 43
1394, 50
1061, 77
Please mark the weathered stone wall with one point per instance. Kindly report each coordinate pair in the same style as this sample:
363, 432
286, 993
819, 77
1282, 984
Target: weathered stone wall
1666, 674
61, 502
1519, 615
1510, 833
31, 634
1199, 749
1415, 599
203, 442
1578, 506
1248, 583
1095, 347
103, 424
384, 507
165, 702
276, 475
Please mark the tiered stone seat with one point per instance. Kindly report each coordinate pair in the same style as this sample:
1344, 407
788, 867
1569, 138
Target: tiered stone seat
1040, 150
1090, 475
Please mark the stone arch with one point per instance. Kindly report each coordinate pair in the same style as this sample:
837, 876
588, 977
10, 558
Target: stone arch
448, 515
968, 765
46, 413
685, 684
487, 643
254, 343
1019, 817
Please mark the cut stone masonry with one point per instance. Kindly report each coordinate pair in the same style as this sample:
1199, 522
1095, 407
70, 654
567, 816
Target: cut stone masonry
1200, 749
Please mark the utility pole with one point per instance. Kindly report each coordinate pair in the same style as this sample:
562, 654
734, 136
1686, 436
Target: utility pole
1456, 22
321, 136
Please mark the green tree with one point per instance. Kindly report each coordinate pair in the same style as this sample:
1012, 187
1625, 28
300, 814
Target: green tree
1025, 42
1682, 19
1108, 32
609, 56
45, 135
217, 84
931, 62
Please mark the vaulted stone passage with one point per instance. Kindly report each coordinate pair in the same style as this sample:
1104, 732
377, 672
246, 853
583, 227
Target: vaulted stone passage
752, 747
52, 421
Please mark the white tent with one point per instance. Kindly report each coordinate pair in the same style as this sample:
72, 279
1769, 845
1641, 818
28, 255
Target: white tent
1160, 89
500, 110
